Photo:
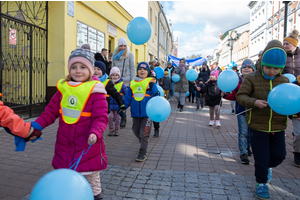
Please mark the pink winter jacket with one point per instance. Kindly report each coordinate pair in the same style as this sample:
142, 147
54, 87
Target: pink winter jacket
71, 139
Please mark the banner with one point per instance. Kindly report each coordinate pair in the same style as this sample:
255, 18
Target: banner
192, 62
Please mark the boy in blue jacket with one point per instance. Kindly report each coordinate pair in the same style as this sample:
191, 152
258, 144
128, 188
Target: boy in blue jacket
141, 90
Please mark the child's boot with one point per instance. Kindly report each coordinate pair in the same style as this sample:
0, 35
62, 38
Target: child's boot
178, 105
111, 132
116, 132
156, 133
262, 191
98, 197
181, 108
142, 156
296, 159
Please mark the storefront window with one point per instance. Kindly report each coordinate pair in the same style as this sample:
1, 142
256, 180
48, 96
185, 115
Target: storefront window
87, 34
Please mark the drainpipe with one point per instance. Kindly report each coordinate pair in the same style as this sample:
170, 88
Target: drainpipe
161, 9
285, 17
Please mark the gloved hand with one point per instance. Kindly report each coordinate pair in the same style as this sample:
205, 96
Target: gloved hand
122, 110
33, 134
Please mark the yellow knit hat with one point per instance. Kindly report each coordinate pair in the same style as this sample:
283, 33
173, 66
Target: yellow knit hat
292, 38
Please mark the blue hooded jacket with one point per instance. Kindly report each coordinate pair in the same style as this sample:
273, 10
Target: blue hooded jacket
138, 108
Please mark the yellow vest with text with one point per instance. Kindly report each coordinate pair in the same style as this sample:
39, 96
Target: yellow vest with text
105, 83
139, 88
74, 98
118, 87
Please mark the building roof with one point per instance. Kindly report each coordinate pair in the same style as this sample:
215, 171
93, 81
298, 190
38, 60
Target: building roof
227, 32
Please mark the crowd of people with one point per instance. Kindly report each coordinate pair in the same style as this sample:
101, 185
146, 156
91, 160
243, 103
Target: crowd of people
98, 91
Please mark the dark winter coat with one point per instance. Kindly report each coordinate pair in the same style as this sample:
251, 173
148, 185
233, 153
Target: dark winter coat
202, 91
292, 64
213, 93
166, 83
204, 74
113, 103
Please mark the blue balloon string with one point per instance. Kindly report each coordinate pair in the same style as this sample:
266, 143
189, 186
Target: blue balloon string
82, 153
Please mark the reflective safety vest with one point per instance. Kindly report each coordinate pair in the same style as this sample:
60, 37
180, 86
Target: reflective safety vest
139, 88
118, 87
74, 99
105, 83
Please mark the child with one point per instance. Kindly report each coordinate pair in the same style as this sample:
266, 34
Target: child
267, 134
166, 84
81, 107
100, 73
213, 98
200, 95
155, 124
114, 107
244, 134
141, 90
191, 91
13, 124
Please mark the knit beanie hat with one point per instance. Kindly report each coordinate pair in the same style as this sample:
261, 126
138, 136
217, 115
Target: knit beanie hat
248, 63
115, 70
166, 73
83, 56
101, 65
122, 41
215, 73
274, 57
86, 46
145, 66
204, 63
169, 63
292, 38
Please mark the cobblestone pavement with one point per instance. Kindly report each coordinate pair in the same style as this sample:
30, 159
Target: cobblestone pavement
190, 160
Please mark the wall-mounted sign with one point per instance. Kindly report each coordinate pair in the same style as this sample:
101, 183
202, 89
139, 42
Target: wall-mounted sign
12, 36
111, 29
71, 8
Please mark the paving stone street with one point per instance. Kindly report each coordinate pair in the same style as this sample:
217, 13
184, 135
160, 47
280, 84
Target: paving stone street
189, 160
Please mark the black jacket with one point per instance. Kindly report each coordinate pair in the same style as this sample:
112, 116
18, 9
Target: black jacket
99, 57
112, 91
172, 71
200, 93
213, 93
204, 74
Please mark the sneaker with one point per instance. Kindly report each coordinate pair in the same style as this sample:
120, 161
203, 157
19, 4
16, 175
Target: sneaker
262, 191
296, 159
211, 122
249, 151
111, 133
232, 112
116, 133
181, 108
178, 105
156, 133
244, 159
142, 156
98, 197
218, 124
269, 175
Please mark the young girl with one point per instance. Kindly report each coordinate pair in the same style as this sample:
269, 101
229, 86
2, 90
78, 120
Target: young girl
114, 107
81, 107
213, 98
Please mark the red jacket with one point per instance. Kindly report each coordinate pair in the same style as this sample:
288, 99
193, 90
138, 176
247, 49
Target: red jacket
71, 139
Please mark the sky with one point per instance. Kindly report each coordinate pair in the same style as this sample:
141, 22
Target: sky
197, 24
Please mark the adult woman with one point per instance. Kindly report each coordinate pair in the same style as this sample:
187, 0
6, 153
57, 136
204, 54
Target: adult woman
182, 86
124, 60
204, 72
292, 66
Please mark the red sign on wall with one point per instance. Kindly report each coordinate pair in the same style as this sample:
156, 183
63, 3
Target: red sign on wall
12, 36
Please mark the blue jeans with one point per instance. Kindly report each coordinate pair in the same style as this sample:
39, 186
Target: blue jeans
171, 93
244, 134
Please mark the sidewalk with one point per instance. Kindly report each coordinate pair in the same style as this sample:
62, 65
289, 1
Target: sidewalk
190, 160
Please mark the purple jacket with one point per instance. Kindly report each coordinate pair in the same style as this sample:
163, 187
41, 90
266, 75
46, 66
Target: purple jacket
71, 139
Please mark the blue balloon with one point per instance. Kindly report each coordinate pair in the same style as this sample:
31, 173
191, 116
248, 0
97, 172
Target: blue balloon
175, 78
139, 30
228, 80
159, 72
291, 77
161, 91
62, 184
158, 109
187, 94
191, 75
285, 99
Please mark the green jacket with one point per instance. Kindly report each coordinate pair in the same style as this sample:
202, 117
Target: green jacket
255, 87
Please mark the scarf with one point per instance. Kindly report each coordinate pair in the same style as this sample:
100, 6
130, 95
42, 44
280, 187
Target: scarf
103, 78
115, 80
118, 55
267, 77
182, 68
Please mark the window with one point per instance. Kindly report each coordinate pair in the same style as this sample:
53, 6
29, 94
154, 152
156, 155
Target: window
87, 34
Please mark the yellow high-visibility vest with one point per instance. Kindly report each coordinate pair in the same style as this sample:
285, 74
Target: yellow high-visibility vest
119, 86
74, 99
105, 83
139, 88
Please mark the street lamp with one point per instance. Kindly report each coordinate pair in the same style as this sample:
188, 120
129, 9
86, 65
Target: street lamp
230, 43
